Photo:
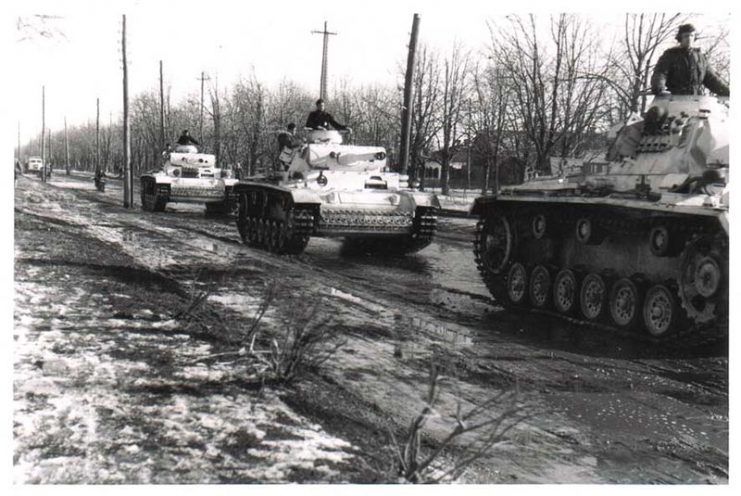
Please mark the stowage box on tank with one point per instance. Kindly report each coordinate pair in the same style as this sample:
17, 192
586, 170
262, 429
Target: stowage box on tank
638, 242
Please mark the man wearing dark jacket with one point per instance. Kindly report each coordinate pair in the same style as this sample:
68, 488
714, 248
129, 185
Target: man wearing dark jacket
684, 69
319, 119
187, 139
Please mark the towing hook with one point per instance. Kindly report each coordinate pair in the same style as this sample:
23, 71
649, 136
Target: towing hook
322, 179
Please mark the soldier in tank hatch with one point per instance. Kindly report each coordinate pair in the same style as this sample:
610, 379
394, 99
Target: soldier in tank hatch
321, 119
684, 69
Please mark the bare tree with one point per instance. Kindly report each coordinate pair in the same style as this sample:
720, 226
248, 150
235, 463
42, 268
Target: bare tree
487, 118
454, 96
425, 112
552, 104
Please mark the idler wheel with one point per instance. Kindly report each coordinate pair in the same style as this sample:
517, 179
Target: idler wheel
538, 226
703, 285
625, 303
707, 277
587, 233
660, 311
592, 296
517, 284
540, 287
495, 243
565, 289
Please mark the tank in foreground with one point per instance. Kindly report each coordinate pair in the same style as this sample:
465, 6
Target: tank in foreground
335, 190
637, 243
189, 177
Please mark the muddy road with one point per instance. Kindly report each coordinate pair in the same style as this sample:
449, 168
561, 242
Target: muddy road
109, 378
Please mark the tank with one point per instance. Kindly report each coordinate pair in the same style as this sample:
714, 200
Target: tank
188, 176
637, 242
331, 189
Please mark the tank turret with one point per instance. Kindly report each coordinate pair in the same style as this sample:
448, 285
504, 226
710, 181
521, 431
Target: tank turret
637, 241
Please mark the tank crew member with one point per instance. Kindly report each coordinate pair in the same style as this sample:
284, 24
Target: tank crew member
186, 143
684, 69
288, 142
319, 119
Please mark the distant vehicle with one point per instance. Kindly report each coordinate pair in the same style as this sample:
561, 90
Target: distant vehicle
34, 164
188, 176
332, 189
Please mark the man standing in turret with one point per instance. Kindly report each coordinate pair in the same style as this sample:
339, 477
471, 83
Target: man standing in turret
321, 119
684, 69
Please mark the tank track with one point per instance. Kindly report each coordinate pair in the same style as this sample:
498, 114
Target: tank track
282, 237
689, 334
153, 196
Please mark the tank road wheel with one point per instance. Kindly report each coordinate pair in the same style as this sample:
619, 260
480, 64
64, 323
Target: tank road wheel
243, 222
272, 235
280, 236
565, 290
702, 288
493, 243
625, 303
660, 311
592, 296
296, 237
517, 284
152, 201
252, 231
540, 286
262, 232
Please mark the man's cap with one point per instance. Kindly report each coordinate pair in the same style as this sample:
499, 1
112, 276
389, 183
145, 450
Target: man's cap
684, 29
319, 101
185, 131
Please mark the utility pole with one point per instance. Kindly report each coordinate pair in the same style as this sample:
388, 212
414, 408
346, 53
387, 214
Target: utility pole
162, 110
128, 201
325, 46
43, 133
406, 111
66, 147
97, 137
203, 78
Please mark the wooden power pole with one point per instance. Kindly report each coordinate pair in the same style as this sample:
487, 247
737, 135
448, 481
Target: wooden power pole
66, 147
128, 201
43, 133
97, 137
203, 79
406, 111
325, 47
162, 110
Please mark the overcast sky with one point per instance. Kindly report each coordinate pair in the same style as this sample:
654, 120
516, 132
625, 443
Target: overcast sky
228, 39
